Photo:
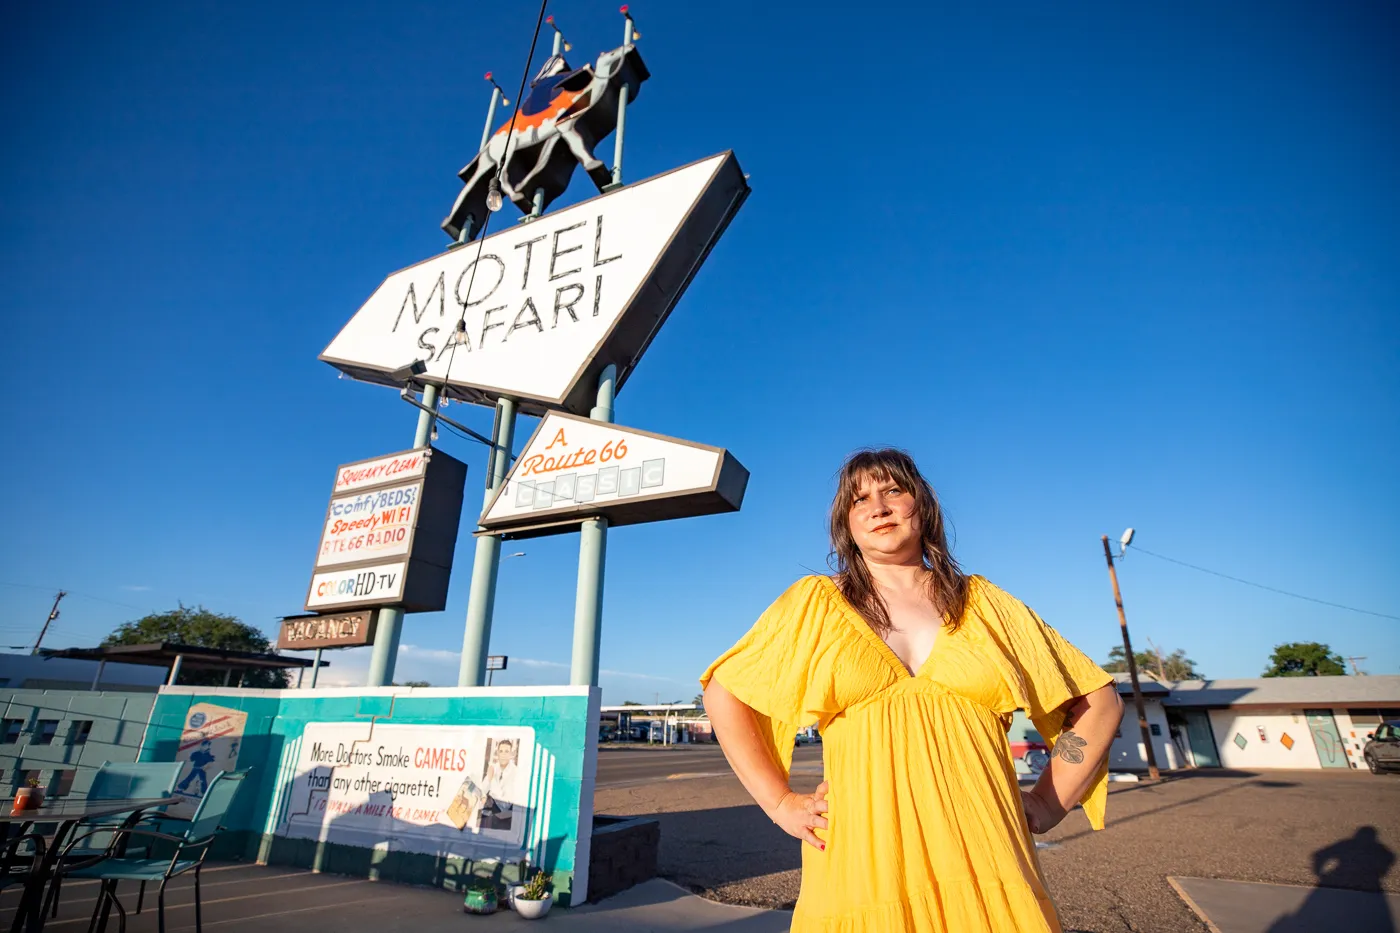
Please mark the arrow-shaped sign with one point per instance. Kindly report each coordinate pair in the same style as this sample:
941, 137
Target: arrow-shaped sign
545, 305
574, 468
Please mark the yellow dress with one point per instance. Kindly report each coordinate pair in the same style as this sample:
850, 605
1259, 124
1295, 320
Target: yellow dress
927, 832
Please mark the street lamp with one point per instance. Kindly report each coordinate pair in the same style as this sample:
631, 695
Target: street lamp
1123, 542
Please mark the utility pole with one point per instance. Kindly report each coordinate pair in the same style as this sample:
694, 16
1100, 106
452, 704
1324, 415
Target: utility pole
53, 614
1152, 771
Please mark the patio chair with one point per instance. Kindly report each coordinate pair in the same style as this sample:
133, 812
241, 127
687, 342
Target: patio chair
190, 849
19, 854
20, 857
123, 781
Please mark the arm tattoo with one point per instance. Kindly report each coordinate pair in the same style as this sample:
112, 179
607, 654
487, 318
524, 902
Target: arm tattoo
1070, 747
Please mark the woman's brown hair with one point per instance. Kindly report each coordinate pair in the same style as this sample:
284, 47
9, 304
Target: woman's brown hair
947, 583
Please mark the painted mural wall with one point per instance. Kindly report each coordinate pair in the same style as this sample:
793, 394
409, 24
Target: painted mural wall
418, 785
1263, 738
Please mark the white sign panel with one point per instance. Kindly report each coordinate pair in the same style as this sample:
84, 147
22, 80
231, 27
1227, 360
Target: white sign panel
575, 465
377, 583
540, 300
369, 525
440, 790
408, 465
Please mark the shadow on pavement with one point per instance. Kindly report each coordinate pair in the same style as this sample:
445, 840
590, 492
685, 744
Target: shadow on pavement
1358, 863
706, 849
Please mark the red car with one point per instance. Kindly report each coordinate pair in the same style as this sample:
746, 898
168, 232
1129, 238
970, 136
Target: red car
1031, 749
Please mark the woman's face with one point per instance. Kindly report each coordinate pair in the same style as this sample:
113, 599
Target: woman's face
504, 751
884, 521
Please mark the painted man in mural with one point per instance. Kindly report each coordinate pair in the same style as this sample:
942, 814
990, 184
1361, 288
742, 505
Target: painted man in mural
200, 760
501, 784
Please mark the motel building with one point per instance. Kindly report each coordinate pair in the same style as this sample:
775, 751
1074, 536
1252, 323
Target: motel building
1258, 722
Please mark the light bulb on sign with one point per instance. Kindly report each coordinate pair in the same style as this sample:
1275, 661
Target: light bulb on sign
433, 436
494, 201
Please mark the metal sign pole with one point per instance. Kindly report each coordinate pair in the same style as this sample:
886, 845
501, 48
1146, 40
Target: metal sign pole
627, 39
592, 555
386, 636
476, 639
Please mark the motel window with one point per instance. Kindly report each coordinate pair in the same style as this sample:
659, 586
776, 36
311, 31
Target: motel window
44, 731
62, 783
79, 731
10, 730
1365, 718
1156, 729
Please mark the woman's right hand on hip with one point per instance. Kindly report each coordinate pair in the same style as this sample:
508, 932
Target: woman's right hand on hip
799, 814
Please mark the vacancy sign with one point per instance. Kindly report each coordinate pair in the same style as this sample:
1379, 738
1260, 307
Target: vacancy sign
575, 467
546, 305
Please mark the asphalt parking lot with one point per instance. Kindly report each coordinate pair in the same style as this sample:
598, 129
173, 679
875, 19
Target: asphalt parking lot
1248, 826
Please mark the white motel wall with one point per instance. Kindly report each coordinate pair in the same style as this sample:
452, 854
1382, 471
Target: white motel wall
1289, 722
1127, 752
1274, 739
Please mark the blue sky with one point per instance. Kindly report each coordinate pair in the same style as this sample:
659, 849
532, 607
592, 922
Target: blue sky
1094, 266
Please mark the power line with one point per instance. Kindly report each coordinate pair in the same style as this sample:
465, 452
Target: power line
1271, 589
100, 599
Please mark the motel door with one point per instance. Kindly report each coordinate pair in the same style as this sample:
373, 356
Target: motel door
1328, 740
1202, 739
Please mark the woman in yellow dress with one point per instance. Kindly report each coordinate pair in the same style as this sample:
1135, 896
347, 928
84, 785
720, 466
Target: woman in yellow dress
912, 671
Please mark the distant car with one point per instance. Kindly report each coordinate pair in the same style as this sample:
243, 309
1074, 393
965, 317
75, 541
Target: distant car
1382, 751
1032, 750
809, 738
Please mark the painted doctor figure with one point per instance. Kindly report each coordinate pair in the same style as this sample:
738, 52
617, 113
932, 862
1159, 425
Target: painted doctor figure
499, 783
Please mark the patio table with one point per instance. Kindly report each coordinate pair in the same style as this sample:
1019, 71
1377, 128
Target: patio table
68, 814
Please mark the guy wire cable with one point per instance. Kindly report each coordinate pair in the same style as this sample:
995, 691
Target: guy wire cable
500, 172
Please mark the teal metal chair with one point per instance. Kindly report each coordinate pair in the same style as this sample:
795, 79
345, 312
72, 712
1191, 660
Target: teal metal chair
122, 781
190, 848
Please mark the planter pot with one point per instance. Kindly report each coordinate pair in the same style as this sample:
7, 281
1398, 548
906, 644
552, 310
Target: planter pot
533, 910
512, 892
480, 901
28, 798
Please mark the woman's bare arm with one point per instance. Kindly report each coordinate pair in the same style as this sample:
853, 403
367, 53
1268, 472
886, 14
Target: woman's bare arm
736, 727
1091, 723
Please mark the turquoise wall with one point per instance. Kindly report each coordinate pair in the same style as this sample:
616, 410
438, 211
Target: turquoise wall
562, 727
68, 761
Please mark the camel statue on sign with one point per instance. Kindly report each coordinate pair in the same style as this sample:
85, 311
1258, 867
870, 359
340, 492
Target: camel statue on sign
562, 117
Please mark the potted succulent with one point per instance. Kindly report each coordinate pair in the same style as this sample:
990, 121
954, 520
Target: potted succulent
480, 897
29, 797
533, 899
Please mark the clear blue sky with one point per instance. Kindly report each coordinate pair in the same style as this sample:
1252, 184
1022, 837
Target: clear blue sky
1094, 266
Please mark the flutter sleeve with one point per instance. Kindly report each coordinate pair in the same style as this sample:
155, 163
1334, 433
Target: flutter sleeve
1048, 672
783, 667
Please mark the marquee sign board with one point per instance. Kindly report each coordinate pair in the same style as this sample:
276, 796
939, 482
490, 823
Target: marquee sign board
548, 304
390, 533
577, 468
341, 630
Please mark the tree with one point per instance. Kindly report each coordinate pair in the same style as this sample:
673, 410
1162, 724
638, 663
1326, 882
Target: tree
630, 703
699, 700
1304, 659
1174, 666
201, 628
411, 683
